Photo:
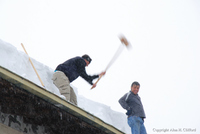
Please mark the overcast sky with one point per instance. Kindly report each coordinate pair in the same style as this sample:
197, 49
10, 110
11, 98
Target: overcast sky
164, 59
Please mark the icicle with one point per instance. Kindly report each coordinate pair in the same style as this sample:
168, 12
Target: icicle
60, 115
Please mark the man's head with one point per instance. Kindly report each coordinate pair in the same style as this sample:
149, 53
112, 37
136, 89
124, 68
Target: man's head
87, 59
135, 86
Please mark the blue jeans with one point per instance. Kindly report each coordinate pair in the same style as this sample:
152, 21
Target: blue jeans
137, 125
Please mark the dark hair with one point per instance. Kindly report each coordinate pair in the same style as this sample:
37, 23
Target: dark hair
87, 57
135, 83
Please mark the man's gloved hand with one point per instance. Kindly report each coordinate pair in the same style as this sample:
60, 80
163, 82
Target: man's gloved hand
129, 111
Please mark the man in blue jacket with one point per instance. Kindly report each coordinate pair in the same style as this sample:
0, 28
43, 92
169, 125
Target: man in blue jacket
70, 70
135, 111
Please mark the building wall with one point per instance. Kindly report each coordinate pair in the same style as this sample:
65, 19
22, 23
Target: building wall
7, 130
30, 114
13, 124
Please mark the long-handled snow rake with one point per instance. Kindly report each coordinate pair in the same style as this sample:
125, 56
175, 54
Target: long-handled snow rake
118, 52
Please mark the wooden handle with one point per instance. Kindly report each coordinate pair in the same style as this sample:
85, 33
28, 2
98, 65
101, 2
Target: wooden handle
117, 53
33, 66
97, 81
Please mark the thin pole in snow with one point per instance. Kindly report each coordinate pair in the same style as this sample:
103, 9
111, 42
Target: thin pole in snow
33, 66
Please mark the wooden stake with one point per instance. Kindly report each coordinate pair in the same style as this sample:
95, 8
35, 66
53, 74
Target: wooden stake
33, 66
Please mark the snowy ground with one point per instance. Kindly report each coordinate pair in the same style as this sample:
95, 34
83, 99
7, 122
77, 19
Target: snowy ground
18, 62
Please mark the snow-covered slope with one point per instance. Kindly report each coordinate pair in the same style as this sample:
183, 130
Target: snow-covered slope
18, 62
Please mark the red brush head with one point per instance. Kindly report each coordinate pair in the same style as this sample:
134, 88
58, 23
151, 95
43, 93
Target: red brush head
124, 41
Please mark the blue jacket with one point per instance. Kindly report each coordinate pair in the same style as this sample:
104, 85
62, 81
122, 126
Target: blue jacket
133, 101
75, 67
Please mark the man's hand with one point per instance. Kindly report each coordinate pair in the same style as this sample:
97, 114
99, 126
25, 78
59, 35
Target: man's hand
101, 74
93, 86
129, 111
